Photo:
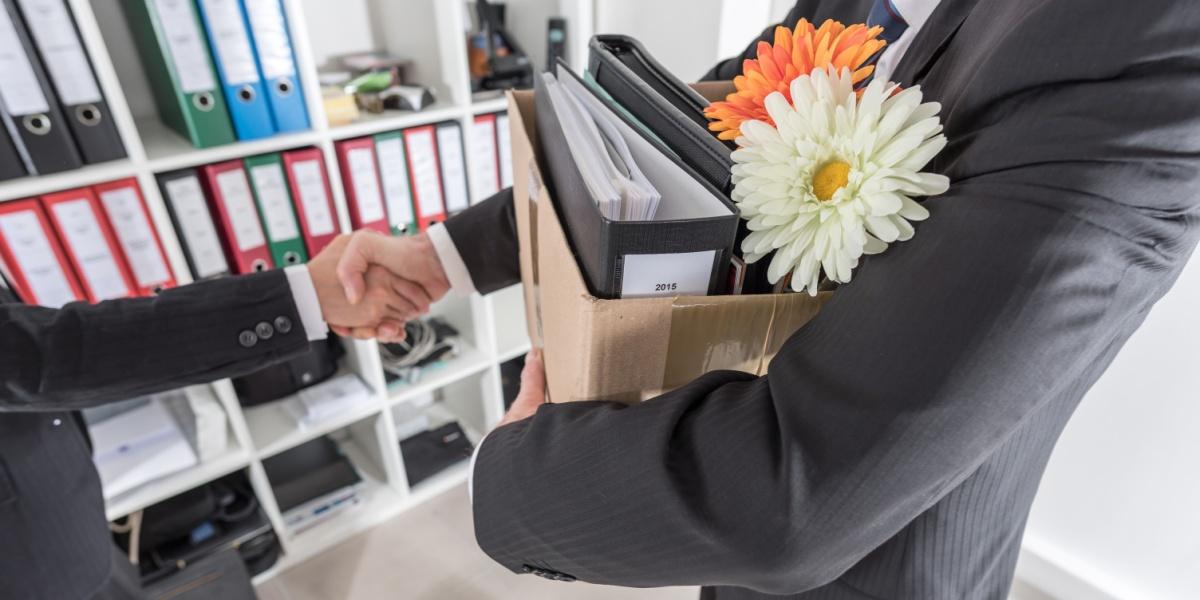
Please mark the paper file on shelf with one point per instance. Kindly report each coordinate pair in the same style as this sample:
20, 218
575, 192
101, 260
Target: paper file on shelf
201, 418
328, 399
620, 189
138, 446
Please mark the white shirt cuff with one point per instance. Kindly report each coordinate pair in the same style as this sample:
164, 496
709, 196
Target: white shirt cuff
452, 262
471, 469
304, 293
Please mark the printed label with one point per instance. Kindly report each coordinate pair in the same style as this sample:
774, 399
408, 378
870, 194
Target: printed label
684, 274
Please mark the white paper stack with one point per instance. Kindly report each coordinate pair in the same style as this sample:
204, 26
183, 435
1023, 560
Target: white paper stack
327, 399
201, 418
139, 446
621, 190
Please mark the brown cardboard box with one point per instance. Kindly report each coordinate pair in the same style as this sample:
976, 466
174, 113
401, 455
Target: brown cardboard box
628, 349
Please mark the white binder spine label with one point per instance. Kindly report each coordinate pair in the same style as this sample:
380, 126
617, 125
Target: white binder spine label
278, 215
425, 172
483, 142
20, 92
35, 258
186, 48
199, 232
450, 152
394, 173
52, 28
312, 194
49, 22
81, 226
504, 150
232, 43
683, 274
366, 185
135, 235
239, 206
271, 38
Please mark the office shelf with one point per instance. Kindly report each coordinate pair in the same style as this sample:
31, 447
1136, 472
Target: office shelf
492, 328
235, 457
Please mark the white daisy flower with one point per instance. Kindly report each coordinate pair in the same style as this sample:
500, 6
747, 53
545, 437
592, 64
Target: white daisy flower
835, 178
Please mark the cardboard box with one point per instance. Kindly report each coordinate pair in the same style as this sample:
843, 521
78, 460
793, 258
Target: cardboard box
627, 350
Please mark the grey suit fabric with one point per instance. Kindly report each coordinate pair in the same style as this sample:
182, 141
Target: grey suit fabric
895, 447
56, 544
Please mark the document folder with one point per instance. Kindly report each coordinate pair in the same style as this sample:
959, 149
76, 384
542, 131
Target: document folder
28, 107
360, 176
90, 245
237, 68
277, 64
194, 224
393, 174
685, 250
237, 217
126, 213
454, 166
312, 197
36, 265
277, 210
486, 170
426, 175
176, 59
85, 110
660, 102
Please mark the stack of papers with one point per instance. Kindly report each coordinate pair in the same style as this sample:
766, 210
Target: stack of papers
327, 399
621, 191
138, 446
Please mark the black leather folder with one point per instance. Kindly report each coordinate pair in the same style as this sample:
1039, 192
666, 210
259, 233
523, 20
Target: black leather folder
666, 105
605, 248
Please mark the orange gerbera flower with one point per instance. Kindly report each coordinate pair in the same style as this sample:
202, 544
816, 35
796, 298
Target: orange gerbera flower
794, 53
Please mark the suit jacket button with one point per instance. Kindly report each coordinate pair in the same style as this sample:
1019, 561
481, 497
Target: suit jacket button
247, 339
264, 330
283, 325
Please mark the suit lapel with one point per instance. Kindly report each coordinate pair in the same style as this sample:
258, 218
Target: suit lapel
933, 37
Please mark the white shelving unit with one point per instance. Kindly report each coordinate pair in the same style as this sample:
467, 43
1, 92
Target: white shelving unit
466, 388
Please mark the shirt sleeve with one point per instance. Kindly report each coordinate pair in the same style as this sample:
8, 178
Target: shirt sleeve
307, 304
452, 262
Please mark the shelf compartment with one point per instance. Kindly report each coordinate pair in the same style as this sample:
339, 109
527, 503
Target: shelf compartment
37, 185
234, 458
392, 120
274, 429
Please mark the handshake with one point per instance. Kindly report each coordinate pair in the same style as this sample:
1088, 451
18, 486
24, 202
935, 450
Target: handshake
369, 285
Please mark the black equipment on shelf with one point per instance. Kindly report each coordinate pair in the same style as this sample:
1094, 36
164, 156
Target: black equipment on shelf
513, 70
430, 452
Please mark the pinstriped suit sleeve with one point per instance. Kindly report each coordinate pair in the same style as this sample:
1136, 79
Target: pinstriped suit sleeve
1073, 209
84, 355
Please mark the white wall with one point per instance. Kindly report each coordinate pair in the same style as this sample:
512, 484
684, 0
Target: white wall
681, 34
1120, 501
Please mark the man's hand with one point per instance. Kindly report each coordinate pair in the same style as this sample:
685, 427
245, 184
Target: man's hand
410, 258
385, 302
533, 390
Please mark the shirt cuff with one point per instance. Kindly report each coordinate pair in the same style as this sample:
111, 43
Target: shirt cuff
471, 470
304, 293
452, 262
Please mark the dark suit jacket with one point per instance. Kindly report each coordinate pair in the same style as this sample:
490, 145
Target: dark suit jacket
895, 447
56, 544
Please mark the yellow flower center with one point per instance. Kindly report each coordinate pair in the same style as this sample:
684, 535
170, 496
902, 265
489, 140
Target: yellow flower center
831, 177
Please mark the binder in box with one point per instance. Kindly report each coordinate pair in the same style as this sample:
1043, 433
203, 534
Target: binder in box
685, 250
628, 349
